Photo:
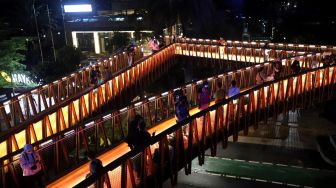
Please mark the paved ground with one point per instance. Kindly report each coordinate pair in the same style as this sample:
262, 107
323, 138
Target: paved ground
273, 154
270, 172
280, 151
196, 180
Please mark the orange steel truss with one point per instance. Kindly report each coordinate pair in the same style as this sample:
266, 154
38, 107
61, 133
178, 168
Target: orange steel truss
36, 101
65, 114
253, 44
65, 124
243, 76
206, 127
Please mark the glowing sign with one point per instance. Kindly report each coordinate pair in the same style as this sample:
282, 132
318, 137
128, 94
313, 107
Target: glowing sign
78, 8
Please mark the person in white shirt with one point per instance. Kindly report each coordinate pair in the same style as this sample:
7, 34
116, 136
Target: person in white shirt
233, 90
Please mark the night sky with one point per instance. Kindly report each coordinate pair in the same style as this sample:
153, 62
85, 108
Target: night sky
315, 20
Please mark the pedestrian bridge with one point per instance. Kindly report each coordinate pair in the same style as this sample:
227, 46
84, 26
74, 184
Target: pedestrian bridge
81, 122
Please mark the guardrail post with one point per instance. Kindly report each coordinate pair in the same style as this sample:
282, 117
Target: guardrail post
124, 175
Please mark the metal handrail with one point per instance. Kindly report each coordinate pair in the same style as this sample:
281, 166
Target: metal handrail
173, 128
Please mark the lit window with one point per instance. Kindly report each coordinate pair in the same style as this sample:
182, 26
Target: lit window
120, 19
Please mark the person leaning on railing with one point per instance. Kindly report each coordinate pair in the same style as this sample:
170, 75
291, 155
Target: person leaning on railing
204, 96
221, 41
295, 67
137, 134
276, 69
95, 167
181, 106
262, 77
220, 92
107, 73
233, 90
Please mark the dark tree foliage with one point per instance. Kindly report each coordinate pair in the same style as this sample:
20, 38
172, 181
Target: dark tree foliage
68, 60
120, 40
11, 57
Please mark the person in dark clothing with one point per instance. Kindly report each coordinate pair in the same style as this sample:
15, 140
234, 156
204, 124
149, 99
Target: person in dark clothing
296, 66
93, 76
277, 69
204, 97
96, 166
133, 130
181, 106
98, 75
137, 134
143, 137
107, 73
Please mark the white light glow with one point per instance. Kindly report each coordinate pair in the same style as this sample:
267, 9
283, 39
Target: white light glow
151, 99
78, 8
96, 42
74, 39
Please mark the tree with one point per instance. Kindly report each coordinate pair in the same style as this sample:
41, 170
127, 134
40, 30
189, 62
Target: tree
120, 40
12, 54
68, 59
32, 18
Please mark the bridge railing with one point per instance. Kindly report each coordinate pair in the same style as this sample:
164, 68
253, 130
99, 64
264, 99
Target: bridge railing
253, 44
63, 116
206, 127
111, 128
157, 108
43, 132
25, 106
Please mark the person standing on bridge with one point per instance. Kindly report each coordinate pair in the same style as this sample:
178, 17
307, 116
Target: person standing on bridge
261, 76
220, 92
30, 162
107, 73
181, 106
276, 69
204, 97
130, 55
137, 134
221, 42
99, 76
155, 46
233, 90
96, 166
296, 66
133, 129
93, 76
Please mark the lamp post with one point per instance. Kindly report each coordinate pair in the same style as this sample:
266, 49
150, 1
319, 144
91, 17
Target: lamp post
51, 34
65, 35
38, 33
